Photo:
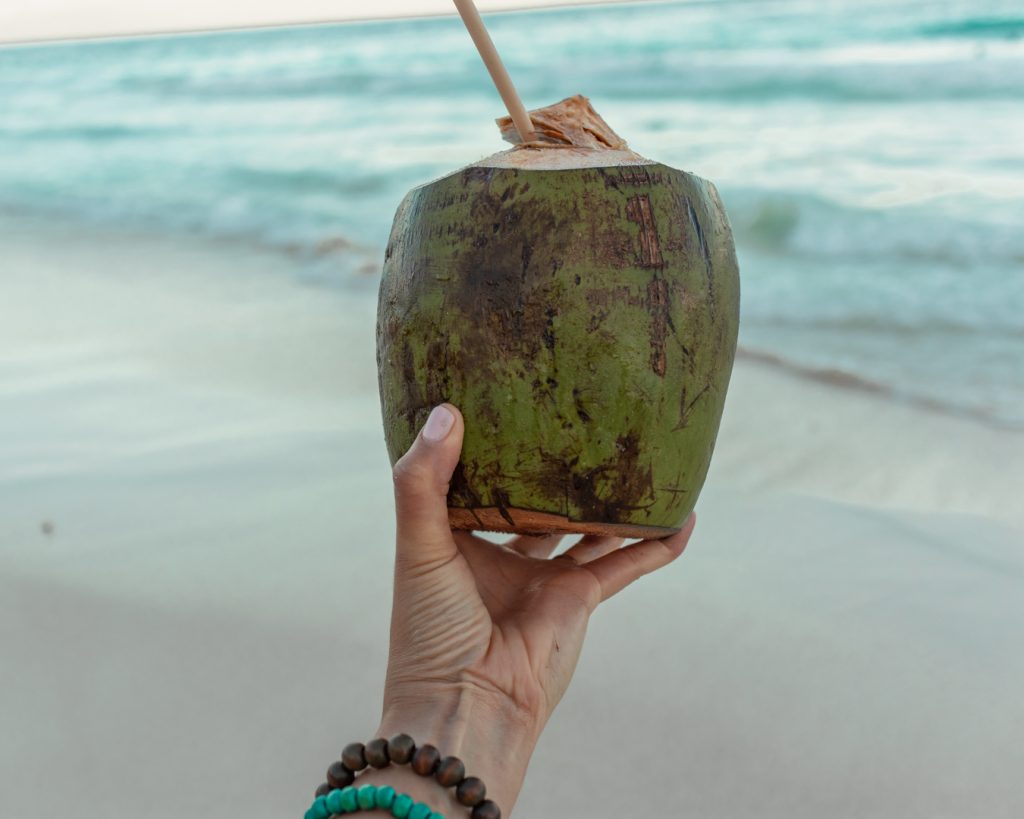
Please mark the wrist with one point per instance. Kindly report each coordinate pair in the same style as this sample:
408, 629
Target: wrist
404, 780
493, 740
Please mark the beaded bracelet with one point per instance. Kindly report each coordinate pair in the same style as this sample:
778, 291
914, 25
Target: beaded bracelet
337, 796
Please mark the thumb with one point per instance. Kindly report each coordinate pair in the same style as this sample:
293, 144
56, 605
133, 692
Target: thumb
421, 478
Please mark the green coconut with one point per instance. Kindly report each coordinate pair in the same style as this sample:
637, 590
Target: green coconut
580, 305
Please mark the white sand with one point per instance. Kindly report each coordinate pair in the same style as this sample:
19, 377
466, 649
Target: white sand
206, 624
53, 19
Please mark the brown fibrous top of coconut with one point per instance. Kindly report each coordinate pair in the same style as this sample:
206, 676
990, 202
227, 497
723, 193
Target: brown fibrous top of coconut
573, 122
568, 134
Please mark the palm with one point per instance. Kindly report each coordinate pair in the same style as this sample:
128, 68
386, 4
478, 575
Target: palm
538, 610
508, 618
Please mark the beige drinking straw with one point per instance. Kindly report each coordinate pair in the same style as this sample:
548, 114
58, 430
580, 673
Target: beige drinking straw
471, 17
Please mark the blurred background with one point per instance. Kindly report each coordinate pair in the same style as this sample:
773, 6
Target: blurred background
870, 154
195, 514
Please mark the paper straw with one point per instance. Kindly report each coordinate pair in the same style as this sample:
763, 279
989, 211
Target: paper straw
484, 44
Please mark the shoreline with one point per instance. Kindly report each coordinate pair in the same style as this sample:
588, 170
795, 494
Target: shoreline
844, 380
102, 310
154, 329
354, 269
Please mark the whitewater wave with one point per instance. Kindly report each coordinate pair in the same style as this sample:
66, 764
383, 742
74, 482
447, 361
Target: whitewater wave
85, 132
814, 227
307, 180
961, 74
1004, 28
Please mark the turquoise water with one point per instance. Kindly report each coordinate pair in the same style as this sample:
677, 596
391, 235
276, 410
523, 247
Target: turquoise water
871, 154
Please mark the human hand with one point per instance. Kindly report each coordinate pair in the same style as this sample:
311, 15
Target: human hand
485, 637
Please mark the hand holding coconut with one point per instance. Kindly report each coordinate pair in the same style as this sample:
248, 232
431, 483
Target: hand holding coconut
485, 637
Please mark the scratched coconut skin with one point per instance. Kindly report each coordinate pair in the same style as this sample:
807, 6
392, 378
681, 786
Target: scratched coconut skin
584, 320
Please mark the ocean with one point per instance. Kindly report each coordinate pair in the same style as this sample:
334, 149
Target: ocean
870, 154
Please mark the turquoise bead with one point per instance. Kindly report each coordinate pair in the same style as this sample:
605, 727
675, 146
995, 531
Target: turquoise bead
349, 800
319, 809
403, 804
436, 816
420, 811
368, 797
385, 797
333, 801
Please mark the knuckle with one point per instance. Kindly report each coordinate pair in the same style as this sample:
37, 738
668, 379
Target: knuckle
636, 557
417, 480
407, 474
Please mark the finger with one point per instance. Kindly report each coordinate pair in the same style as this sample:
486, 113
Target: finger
616, 570
421, 479
481, 554
475, 549
591, 547
539, 546
464, 537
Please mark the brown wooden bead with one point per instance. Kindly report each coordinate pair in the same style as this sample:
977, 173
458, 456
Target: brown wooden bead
401, 747
354, 756
486, 810
425, 760
377, 753
471, 791
323, 789
450, 771
339, 775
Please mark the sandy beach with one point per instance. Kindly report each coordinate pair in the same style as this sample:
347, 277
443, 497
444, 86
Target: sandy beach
196, 544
